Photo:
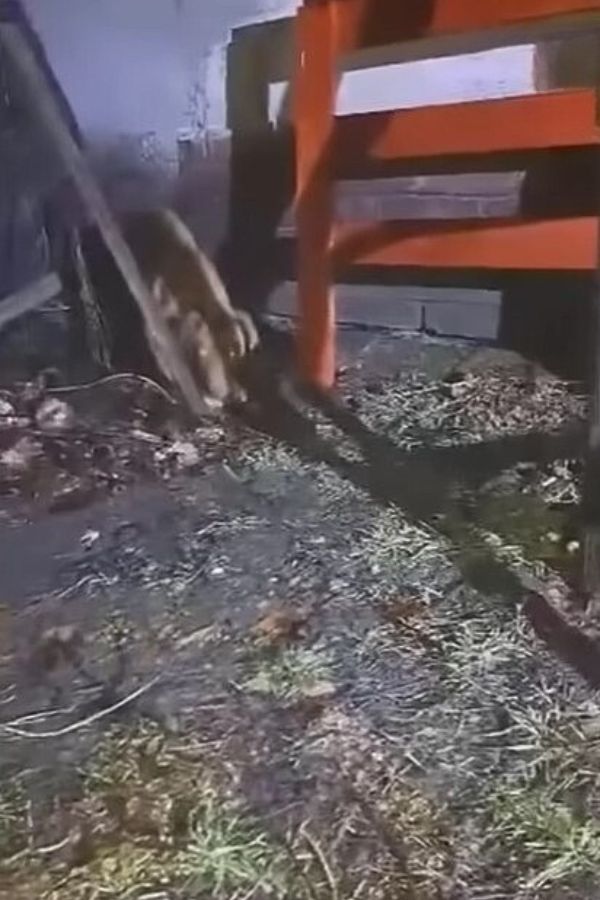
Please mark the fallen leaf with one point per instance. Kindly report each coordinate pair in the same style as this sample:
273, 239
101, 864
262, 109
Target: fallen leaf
280, 625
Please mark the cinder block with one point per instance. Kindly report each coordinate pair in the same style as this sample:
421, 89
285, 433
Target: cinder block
448, 312
375, 306
467, 317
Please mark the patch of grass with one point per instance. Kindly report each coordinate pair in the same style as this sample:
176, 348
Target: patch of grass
420, 826
271, 455
393, 542
291, 673
395, 547
524, 518
228, 851
130, 758
162, 819
545, 824
476, 649
335, 489
545, 836
125, 871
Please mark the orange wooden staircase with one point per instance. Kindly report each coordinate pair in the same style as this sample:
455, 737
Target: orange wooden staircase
329, 147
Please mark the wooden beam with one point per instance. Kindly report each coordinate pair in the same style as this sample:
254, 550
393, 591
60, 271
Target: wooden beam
313, 117
29, 298
44, 106
278, 36
497, 244
536, 122
371, 23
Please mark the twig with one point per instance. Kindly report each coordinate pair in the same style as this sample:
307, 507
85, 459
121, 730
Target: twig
40, 716
107, 379
8, 695
360, 888
74, 587
318, 852
76, 726
52, 848
30, 823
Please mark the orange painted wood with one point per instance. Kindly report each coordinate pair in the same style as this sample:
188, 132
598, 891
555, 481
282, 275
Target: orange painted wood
559, 244
540, 121
313, 116
370, 23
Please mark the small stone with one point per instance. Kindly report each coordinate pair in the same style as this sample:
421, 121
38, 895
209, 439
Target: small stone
320, 690
198, 638
145, 436
20, 457
54, 415
6, 409
186, 454
88, 539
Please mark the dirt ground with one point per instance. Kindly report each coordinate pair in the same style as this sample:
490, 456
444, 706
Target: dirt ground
328, 651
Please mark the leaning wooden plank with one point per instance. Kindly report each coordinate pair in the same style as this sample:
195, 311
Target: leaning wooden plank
45, 107
31, 297
372, 23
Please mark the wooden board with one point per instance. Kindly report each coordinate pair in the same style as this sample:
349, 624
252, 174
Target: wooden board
557, 244
537, 122
313, 115
370, 23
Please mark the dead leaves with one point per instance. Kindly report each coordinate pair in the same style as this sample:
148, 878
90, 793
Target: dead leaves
280, 626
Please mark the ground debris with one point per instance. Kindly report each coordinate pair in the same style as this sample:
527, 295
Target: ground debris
320, 695
68, 454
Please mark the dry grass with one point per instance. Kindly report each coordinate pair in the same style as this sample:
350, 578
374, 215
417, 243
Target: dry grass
158, 817
446, 755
